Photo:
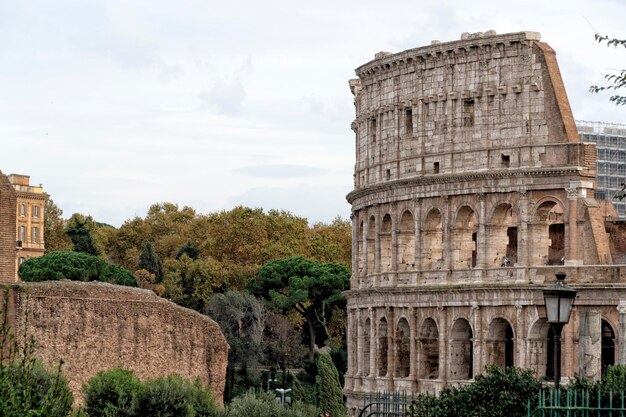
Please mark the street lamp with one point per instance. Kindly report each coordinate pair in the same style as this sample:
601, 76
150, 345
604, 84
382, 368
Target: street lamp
282, 392
559, 299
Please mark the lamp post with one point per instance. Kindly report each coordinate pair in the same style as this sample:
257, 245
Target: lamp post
559, 299
282, 392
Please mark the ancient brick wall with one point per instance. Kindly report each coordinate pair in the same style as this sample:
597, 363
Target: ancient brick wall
7, 230
97, 326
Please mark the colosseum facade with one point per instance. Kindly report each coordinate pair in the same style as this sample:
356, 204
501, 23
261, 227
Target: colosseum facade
472, 189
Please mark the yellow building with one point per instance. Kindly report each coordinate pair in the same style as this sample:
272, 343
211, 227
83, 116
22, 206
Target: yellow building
31, 201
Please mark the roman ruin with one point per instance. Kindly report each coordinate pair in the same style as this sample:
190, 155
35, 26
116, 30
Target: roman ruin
472, 188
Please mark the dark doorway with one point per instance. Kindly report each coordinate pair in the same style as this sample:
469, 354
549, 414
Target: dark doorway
550, 353
508, 347
556, 252
608, 346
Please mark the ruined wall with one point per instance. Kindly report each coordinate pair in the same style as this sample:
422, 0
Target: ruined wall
97, 326
7, 230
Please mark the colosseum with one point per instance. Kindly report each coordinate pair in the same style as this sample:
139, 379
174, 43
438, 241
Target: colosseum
472, 189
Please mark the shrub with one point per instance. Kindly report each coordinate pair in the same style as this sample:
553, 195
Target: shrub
112, 393
615, 378
173, 396
263, 404
74, 266
330, 395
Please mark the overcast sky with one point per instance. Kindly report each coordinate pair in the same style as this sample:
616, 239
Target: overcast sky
116, 105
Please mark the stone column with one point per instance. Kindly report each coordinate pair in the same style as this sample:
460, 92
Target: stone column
358, 371
394, 243
481, 247
571, 255
377, 241
352, 348
366, 228
444, 343
478, 340
355, 251
589, 344
621, 352
391, 347
373, 348
447, 235
412, 343
417, 221
519, 332
522, 230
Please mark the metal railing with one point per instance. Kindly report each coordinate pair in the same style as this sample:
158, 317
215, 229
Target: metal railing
573, 402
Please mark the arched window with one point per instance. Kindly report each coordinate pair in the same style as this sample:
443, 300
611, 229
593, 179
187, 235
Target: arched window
428, 364
500, 344
403, 348
383, 347
461, 351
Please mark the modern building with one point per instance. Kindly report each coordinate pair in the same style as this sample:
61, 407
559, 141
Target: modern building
610, 140
472, 189
29, 226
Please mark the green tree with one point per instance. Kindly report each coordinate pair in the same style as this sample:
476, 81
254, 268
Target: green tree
329, 393
616, 80
112, 393
74, 266
149, 261
188, 249
263, 404
306, 287
174, 396
54, 228
80, 234
615, 378
332, 242
298, 392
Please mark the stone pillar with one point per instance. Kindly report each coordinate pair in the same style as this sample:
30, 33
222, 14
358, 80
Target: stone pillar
621, 352
571, 254
589, 344
447, 235
519, 332
391, 347
366, 228
359, 366
394, 243
481, 247
412, 343
355, 251
373, 348
417, 221
352, 348
479, 341
444, 343
377, 241
522, 230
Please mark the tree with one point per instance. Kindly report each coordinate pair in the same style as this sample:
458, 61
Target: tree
80, 234
54, 228
332, 242
74, 266
306, 287
283, 342
329, 393
112, 393
188, 249
149, 261
616, 80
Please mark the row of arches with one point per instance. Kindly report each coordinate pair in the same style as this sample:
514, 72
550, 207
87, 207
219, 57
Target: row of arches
423, 360
462, 242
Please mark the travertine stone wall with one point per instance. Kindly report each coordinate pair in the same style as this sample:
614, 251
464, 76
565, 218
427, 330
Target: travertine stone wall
7, 230
97, 326
472, 189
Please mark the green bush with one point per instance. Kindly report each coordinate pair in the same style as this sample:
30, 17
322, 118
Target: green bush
74, 266
498, 392
173, 396
263, 404
28, 388
330, 395
112, 393
615, 378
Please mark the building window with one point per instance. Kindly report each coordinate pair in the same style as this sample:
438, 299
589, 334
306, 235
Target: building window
408, 122
22, 259
22, 233
22, 209
436, 167
35, 211
468, 112
36, 234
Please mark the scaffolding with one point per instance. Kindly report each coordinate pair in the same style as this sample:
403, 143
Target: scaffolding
610, 140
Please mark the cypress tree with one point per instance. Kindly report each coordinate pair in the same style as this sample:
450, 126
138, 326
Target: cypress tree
80, 235
149, 261
330, 396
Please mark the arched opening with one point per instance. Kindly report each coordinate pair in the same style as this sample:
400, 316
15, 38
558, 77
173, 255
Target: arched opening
461, 351
464, 240
500, 345
406, 241
548, 235
371, 244
502, 237
366, 347
539, 350
428, 364
385, 244
433, 240
403, 348
608, 346
383, 346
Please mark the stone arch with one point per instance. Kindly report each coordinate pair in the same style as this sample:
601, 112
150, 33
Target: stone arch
366, 347
433, 240
406, 241
371, 244
461, 351
385, 243
501, 235
383, 347
547, 233
428, 362
607, 356
360, 255
539, 349
500, 343
403, 348
465, 238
